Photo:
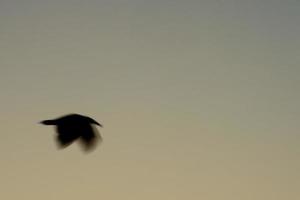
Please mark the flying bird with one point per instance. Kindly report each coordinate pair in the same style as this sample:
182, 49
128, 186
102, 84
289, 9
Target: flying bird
74, 127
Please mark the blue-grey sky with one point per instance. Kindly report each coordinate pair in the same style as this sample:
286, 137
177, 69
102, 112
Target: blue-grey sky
199, 99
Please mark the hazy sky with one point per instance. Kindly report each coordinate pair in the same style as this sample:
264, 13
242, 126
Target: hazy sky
199, 98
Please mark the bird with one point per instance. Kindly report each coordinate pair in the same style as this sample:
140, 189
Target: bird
72, 127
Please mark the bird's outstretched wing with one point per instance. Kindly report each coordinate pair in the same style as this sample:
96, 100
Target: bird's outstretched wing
66, 135
89, 137
64, 140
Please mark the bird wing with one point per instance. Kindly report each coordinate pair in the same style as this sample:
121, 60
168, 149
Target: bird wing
64, 140
89, 137
66, 135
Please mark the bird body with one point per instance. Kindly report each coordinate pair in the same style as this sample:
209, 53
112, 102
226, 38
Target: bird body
74, 126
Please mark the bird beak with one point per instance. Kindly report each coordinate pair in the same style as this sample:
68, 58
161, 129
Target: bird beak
95, 122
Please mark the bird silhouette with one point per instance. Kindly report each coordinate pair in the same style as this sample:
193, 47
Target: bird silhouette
74, 127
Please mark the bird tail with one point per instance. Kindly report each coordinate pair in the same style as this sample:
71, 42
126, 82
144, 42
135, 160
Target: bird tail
48, 122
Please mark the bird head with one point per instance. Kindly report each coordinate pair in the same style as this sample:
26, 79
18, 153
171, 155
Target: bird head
92, 121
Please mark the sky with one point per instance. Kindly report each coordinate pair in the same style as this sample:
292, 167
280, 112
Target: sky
198, 99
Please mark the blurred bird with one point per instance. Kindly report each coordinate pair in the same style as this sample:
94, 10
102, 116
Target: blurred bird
74, 126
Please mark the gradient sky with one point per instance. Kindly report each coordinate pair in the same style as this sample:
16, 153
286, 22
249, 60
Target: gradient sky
199, 99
